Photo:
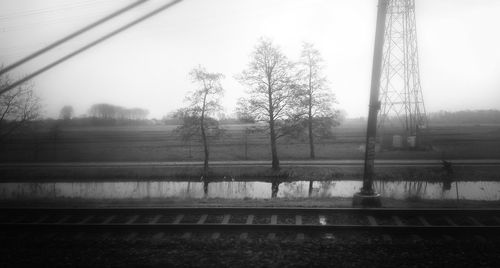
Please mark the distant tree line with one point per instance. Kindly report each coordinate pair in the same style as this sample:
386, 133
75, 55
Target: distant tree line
109, 111
104, 114
466, 117
174, 119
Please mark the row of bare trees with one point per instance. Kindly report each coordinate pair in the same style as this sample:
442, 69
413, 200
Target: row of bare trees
290, 97
20, 106
109, 111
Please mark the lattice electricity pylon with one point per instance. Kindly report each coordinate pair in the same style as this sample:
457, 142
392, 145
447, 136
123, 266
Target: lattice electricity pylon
400, 90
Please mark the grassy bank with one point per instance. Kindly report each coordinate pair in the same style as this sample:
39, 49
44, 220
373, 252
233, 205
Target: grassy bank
259, 173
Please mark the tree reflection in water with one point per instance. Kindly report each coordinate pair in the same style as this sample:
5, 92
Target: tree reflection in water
324, 188
411, 189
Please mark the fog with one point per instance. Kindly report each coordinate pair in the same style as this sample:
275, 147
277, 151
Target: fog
148, 65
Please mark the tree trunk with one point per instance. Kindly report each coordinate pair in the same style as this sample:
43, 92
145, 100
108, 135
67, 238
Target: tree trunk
205, 147
204, 136
246, 143
310, 118
311, 138
274, 151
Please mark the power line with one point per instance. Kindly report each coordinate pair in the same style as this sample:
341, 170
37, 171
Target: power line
49, 22
46, 10
69, 37
105, 37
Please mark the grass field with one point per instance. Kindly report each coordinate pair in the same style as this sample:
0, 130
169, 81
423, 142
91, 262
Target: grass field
178, 173
159, 143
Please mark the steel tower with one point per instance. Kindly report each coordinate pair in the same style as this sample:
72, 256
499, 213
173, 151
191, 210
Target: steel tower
402, 103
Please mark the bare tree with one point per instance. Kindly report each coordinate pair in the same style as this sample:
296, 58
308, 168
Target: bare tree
271, 89
315, 99
203, 102
66, 112
18, 107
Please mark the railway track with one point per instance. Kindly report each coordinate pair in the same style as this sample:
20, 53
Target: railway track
298, 221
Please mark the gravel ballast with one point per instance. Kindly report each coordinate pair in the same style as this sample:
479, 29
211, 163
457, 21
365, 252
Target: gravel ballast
355, 250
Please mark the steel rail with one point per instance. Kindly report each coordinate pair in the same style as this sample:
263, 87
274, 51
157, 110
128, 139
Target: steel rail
252, 210
393, 229
124, 219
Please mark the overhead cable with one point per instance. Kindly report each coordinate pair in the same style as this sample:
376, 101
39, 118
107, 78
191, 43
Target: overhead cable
71, 36
103, 38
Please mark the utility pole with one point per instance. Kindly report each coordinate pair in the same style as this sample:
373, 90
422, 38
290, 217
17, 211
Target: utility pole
367, 197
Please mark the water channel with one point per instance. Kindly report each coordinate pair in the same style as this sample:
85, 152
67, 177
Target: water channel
477, 190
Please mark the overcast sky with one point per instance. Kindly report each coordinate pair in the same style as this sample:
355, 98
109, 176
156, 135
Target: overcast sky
147, 66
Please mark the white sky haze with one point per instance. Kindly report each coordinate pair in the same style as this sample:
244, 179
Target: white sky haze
147, 66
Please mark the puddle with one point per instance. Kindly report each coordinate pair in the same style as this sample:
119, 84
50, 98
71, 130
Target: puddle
477, 190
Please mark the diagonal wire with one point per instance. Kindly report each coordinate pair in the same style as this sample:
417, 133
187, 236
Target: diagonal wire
103, 38
71, 36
